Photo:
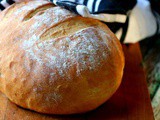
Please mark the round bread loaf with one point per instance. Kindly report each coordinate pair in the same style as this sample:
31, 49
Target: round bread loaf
56, 62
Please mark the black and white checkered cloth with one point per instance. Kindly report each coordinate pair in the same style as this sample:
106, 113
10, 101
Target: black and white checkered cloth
124, 17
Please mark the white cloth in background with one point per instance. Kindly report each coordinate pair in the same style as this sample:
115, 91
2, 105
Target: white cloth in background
142, 22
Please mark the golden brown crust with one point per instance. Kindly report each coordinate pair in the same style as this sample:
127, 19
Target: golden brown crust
55, 62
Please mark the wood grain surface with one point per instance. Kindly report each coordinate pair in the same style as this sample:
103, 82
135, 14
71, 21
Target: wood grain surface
130, 102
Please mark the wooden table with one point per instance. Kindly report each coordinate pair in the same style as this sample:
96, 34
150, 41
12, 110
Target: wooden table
130, 102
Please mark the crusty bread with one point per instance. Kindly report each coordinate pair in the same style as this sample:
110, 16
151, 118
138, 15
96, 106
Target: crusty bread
53, 61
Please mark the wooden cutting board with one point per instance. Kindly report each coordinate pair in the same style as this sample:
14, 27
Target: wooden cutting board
130, 102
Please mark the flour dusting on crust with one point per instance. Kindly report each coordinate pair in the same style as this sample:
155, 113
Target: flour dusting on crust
29, 6
85, 49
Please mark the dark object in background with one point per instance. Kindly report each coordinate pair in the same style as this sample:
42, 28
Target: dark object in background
155, 4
